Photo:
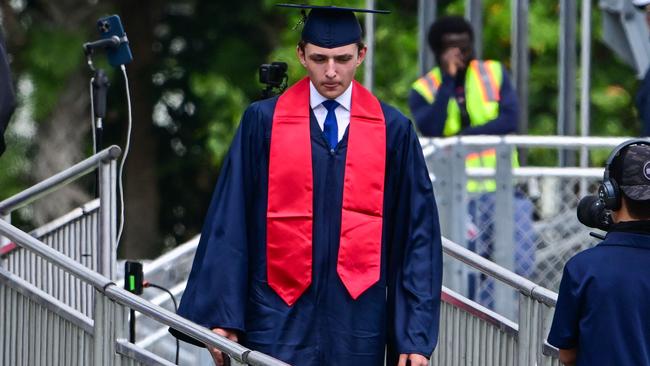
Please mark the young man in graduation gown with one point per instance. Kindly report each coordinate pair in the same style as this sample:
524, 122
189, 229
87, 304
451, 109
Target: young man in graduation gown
321, 245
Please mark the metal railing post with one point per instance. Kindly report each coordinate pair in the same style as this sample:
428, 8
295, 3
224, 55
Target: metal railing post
585, 86
567, 77
369, 67
523, 337
504, 246
474, 14
426, 16
100, 323
519, 60
109, 326
545, 319
7, 218
107, 219
440, 165
458, 215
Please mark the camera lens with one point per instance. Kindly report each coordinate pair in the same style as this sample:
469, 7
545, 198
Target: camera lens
104, 26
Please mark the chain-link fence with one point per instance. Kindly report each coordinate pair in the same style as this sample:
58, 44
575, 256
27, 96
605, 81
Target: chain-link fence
522, 218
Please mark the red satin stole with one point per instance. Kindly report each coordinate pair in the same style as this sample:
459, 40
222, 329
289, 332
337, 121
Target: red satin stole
290, 197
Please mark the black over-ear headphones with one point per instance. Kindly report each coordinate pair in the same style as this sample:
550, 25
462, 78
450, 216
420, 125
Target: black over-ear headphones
609, 192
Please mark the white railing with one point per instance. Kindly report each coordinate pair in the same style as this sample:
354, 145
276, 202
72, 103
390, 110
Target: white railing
108, 324
471, 334
87, 234
529, 223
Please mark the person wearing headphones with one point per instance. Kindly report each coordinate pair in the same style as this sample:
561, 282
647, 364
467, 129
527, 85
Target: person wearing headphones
602, 313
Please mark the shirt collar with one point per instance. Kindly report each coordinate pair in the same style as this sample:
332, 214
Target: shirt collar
628, 239
315, 98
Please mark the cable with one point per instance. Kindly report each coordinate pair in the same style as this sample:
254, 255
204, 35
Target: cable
126, 153
147, 284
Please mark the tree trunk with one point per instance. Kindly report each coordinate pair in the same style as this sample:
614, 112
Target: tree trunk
60, 142
63, 136
142, 200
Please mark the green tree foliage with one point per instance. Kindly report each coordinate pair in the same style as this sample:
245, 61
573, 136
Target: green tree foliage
209, 53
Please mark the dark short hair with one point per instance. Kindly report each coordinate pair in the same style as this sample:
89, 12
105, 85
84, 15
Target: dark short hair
303, 43
639, 210
446, 25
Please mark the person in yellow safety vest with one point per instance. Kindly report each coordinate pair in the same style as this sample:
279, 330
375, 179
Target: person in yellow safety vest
463, 96
466, 96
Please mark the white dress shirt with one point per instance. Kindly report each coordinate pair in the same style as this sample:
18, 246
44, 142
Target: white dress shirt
342, 111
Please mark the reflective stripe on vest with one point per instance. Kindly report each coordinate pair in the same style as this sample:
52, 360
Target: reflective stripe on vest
485, 159
482, 159
427, 86
482, 86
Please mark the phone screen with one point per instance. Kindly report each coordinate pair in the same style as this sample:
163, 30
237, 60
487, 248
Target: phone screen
112, 26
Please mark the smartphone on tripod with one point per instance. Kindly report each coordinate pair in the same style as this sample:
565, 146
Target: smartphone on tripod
109, 27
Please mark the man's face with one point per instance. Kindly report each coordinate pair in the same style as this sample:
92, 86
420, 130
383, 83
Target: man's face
462, 41
331, 70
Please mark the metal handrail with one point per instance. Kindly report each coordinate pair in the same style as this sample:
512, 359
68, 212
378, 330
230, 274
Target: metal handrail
570, 172
527, 287
170, 257
566, 142
58, 180
139, 354
51, 226
112, 291
479, 311
66, 219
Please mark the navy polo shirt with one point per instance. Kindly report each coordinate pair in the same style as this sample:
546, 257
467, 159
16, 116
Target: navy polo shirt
603, 308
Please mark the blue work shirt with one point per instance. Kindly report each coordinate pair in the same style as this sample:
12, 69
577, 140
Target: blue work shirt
603, 307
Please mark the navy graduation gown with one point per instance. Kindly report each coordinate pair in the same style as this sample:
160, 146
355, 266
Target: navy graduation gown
228, 286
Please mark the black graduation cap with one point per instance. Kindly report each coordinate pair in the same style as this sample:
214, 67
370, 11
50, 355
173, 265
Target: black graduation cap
331, 26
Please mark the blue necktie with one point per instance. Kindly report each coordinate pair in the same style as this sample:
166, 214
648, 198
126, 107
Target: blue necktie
330, 127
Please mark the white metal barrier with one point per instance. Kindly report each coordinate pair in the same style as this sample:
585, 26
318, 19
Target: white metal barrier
470, 334
480, 336
86, 235
528, 225
55, 305
108, 323
75, 235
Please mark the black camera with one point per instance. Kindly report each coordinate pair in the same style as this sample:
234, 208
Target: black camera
273, 74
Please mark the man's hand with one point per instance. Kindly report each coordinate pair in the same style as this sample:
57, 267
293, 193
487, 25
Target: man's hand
217, 355
568, 356
416, 360
451, 61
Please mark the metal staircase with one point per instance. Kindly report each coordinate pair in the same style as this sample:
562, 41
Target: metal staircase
57, 307
59, 304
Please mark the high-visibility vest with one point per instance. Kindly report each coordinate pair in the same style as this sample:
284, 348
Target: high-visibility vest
482, 93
